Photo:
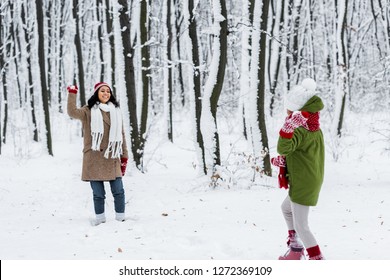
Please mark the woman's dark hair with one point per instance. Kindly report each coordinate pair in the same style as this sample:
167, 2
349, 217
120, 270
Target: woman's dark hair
95, 99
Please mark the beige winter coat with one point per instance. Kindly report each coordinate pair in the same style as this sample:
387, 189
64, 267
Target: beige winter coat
95, 166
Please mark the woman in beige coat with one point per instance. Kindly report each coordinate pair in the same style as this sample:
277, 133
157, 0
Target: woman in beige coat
105, 152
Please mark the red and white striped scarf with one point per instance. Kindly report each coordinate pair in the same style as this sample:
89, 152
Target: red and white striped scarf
313, 122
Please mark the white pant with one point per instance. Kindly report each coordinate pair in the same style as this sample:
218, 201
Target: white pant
297, 218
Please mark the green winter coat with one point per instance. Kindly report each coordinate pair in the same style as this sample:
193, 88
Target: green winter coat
305, 156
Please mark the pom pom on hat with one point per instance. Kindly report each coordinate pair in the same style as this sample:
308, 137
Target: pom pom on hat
309, 84
300, 94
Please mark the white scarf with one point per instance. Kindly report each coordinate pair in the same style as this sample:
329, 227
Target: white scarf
97, 129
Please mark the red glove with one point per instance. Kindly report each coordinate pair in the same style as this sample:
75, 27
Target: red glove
282, 179
292, 122
279, 161
73, 89
123, 165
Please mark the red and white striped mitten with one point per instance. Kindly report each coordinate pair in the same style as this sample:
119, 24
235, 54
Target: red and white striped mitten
280, 161
292, 122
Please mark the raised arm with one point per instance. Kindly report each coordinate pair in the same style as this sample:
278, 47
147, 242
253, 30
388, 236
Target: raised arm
73, 111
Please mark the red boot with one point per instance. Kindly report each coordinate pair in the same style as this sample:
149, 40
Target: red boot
293, 253
315, 253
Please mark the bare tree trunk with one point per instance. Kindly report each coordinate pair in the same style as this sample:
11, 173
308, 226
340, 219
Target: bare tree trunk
6, 50
1, 142
145, 71
27, 35
273, 31
295, 40
220, 78
328, 47
288, 24
50, 47
3, 81
170, 71
178, 21
5, 94
273, 76
261, 89
41, 58
109, 20
1, 70
193, 33
61, 74
255, 101
3, 138
251, 9
311, 37
15, 51
77, 41
376, 28
294, 17
246, 50
342, 63
130, 83
100, 37
385, 11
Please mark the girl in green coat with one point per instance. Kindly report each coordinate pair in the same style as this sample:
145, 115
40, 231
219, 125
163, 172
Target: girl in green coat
301, 146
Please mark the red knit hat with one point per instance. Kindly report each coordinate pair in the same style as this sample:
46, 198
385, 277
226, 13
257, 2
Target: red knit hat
99, 85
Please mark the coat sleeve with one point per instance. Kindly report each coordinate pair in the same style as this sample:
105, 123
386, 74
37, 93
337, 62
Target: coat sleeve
73, 111
286, 146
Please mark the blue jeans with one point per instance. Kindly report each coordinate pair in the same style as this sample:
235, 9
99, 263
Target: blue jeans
99, 195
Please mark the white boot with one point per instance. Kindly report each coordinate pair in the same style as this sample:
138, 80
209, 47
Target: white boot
120, 217
293, 240
99, 219
295, 247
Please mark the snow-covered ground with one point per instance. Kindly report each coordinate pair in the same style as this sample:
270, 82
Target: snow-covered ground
172, 213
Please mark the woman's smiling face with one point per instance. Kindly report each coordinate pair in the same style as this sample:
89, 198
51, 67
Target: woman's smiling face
104, 94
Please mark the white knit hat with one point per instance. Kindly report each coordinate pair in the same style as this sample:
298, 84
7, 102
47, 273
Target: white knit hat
300, 94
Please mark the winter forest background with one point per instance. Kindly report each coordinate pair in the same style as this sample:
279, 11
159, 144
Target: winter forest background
203, 60
212, 71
